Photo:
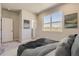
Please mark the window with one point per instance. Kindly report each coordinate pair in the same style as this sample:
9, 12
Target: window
53, 22
46, 24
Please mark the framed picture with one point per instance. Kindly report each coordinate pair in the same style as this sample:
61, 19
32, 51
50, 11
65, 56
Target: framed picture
71, 21
26, 24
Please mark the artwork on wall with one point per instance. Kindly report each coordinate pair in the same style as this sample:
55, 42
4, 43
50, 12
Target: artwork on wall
26, 24
71, 21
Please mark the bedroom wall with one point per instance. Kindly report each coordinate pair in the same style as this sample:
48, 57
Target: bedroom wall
20, 26
0, 23
26, 33
15, 17
66, 9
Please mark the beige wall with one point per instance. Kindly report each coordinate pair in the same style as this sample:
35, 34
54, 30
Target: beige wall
0, 24
20, 26
15, 17
66, 9
0, 9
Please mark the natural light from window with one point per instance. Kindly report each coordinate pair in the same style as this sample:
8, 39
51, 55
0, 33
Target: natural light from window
53, 22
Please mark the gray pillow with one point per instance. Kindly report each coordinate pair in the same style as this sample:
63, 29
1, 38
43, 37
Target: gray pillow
75, 47
40, 51
64, 47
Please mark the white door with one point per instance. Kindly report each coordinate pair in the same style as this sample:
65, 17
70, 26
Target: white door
7, 29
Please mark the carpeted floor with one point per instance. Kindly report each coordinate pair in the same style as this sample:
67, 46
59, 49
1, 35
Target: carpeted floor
10, 49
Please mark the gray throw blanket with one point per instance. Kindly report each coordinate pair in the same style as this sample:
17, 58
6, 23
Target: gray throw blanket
40, 51
34, 44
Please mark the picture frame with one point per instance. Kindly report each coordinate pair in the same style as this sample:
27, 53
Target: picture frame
26, 24
71, 20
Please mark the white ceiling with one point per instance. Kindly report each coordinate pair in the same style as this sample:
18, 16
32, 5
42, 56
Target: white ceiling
32, 7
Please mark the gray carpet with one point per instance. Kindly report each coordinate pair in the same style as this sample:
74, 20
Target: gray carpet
9, 49
1, 50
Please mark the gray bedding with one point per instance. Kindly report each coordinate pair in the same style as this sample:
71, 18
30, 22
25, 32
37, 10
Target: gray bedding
34, 44
40, 51
75, 47
62, 48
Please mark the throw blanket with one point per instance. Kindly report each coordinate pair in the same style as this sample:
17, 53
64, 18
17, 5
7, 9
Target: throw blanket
34, 44
40, 51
